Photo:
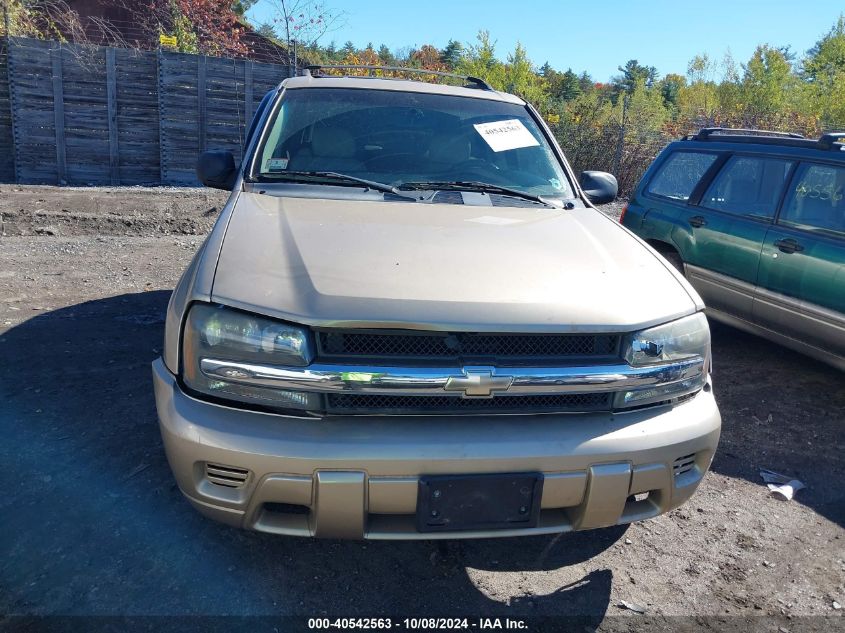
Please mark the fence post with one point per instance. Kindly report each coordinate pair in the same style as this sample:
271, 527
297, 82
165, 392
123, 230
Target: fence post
161, 163
111, 96
7, 42
59, 114
248, 99
202, 62
620, 144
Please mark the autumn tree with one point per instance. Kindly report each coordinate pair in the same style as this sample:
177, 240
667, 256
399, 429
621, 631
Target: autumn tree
305, 21
428, 57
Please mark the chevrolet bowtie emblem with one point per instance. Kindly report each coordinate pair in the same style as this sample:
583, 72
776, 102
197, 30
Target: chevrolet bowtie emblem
478, 383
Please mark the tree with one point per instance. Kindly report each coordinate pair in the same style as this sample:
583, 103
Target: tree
824, 70
570, 85
521, 79
451, 55
825, 62
632, 73
268, 30
428, 57
305, 21
386, 56
52, 19
240, 7
585, 82
767, 80
480, 61
209, 27
670, 88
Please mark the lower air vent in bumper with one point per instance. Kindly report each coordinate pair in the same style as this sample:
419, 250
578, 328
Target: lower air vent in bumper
683, 464
357, 404
227, 476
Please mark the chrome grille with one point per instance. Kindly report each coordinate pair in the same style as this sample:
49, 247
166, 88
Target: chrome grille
456, 345
408, 405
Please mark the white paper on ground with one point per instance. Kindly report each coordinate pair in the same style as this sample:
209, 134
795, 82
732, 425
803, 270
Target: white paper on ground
781, 486
505, 135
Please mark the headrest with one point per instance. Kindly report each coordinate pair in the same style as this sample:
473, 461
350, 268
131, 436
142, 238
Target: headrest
334, 142
449, 148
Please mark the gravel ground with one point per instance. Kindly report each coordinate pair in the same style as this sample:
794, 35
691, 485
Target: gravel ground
93, 524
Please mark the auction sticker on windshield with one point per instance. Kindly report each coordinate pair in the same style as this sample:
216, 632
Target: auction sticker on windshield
505, 135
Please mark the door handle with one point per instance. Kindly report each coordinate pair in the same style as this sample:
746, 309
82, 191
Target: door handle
697, 221
788, 246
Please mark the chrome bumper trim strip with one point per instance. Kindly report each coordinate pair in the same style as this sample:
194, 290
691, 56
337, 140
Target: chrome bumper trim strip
471, 381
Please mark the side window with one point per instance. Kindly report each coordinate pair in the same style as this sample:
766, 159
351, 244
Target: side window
815, 200
679, 175
748, 185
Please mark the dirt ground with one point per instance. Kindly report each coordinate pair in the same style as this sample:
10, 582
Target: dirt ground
91, 522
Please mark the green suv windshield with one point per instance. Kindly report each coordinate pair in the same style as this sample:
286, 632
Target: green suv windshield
406, 138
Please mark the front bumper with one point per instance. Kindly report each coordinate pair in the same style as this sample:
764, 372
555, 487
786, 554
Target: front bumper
357, 476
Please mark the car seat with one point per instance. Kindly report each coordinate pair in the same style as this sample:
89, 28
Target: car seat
330, 149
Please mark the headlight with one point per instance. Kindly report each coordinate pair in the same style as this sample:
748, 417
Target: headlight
679, 352
223, 334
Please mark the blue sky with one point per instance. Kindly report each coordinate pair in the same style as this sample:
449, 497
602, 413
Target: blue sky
592, 36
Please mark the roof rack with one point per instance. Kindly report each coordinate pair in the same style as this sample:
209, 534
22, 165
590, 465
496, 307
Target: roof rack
478, 83
826, 142
706, 132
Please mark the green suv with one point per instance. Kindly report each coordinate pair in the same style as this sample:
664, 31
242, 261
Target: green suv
756, 222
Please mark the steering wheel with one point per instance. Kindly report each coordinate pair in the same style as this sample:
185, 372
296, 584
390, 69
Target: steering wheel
475, 164
392, 158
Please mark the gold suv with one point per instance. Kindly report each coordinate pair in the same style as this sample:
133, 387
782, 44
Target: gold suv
410, 322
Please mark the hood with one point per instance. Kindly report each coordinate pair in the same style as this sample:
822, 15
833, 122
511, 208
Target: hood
441, 266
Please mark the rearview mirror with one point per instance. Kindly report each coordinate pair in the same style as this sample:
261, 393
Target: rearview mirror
217, 169
600, 187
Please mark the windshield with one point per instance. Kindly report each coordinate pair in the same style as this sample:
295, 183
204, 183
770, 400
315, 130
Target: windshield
396, 138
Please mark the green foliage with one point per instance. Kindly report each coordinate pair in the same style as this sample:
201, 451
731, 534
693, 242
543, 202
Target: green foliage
386, 56
670, 89
824, 71
451, 55
632, 73
480, 61
521, 78
266, 29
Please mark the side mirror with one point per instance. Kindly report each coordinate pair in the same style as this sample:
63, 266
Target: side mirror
599, 186
217, 169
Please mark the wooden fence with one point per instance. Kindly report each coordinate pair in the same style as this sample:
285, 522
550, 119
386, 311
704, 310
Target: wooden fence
110, 116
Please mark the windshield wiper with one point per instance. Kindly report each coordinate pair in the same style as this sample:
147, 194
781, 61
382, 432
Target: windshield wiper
473, 185
333, 175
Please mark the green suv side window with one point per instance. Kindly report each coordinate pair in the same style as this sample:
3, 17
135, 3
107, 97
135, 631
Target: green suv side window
748, 185
679, 175
815, 202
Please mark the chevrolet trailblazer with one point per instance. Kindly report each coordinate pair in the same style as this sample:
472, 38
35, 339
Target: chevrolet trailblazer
410, 322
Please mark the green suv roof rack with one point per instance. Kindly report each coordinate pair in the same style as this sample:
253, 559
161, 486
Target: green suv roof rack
706, 132
316, 68
829, 141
